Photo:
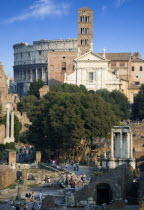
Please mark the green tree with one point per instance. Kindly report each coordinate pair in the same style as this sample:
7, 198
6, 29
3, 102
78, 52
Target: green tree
34, 88
27, 104
138, 105
69, 88
62, 119
17, 128
119, 102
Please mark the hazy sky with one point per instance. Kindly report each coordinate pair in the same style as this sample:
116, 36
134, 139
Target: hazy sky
118, 24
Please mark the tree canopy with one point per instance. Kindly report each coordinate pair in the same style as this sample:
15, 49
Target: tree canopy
138, 105
68, 114
34, 88
119, 102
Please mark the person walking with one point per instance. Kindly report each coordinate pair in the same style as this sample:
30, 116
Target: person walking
34, 207
40, 195
77, 166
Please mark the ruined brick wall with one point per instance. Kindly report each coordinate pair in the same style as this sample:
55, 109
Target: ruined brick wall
55, 60
44, 90
2, 134
7, 176
4, 96
119, 180
138, 138
24, 120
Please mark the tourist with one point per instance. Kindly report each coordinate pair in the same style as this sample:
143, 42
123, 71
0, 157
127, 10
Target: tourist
34, 207
81, 177
39, 206
13, 207
25, 207
40, 195
32, 196
74, 166
61, 185
77, 166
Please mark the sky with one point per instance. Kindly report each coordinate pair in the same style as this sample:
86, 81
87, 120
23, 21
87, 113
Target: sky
118, 24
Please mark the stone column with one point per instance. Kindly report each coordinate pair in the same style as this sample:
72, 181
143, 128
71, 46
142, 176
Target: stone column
120, 144
131, 146
112, 144
128, 145
43, 74
12, 125
26, 75
36, 74
31, 75
7, 121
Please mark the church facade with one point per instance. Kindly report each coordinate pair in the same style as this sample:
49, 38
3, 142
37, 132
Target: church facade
92, 71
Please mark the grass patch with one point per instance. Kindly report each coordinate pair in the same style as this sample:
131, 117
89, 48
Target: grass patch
11, 186
32, 185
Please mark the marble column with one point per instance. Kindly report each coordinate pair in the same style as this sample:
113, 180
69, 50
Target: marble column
12, 125
131, 146
112, 144
120, 144
128, 145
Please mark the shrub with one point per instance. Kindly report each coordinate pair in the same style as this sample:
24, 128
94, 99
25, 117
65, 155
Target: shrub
1, 155
10, 145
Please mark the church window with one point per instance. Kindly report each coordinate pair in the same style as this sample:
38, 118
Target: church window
82, 30
82, 42
63, 65
141, 68
82, 19
87, 19
87, 30
39, 52
133, 68
91, 76
86, 41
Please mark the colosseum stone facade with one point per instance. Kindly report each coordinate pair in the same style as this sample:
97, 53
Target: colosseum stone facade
31, 61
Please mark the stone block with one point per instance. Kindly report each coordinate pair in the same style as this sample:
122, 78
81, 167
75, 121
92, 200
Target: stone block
12, 158
38, 157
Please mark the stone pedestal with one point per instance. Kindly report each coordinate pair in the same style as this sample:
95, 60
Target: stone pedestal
12, 158
38, 157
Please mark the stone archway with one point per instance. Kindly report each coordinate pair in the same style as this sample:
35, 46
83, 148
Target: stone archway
104, 193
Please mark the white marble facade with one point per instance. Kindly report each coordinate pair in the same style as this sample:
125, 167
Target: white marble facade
92, 71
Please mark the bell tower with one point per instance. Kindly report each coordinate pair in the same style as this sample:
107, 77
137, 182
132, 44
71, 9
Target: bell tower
85, 30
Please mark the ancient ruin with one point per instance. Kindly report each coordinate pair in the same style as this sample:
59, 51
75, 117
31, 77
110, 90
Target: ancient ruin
121, 148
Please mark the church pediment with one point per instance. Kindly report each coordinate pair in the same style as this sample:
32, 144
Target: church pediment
91, 56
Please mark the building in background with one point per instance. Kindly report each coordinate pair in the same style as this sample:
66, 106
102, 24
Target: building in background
31, 61
57, 61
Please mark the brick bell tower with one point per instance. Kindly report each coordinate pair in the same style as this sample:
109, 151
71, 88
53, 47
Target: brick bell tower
85, 30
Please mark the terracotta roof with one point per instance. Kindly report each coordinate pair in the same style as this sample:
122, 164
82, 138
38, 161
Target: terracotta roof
133, 86
137, 60
118, 56
85, 8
